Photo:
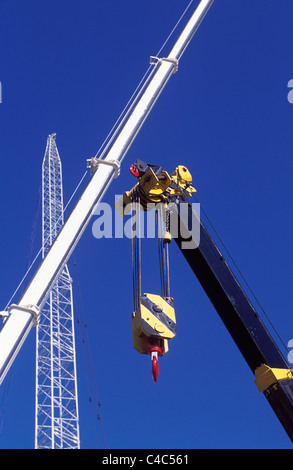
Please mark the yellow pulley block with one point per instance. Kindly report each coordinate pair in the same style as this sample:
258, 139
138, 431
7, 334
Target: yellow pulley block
183, 181
155, 185
153, 324
154, 319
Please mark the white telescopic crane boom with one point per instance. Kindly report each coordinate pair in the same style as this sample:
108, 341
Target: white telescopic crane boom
24, 315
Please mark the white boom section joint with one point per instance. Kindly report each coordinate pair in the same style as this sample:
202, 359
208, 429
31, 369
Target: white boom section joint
32, 309
93, 163
158, 60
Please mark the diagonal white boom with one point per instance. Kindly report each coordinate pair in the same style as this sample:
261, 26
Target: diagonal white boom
23, 316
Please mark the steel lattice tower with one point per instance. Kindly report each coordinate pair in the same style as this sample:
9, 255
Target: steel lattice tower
56, 420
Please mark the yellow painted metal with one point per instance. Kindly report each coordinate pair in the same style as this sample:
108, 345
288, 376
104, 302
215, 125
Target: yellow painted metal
183, 179
266, 376
153, 189
153, 318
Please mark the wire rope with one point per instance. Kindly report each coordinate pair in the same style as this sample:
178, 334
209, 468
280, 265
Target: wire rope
34, 227
113, 132
86, 369
89, 362
41, 249
136, 248
136, 94
163, 250
242, 275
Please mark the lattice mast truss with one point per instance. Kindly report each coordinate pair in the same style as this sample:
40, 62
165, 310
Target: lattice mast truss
56, 420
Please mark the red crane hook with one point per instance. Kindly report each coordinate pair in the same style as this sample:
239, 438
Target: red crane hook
155, 351
155, 367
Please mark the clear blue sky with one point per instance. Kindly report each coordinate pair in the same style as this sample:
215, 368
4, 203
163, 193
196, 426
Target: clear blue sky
70, 67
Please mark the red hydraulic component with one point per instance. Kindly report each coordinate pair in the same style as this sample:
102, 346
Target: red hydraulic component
134, 170
155, 350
